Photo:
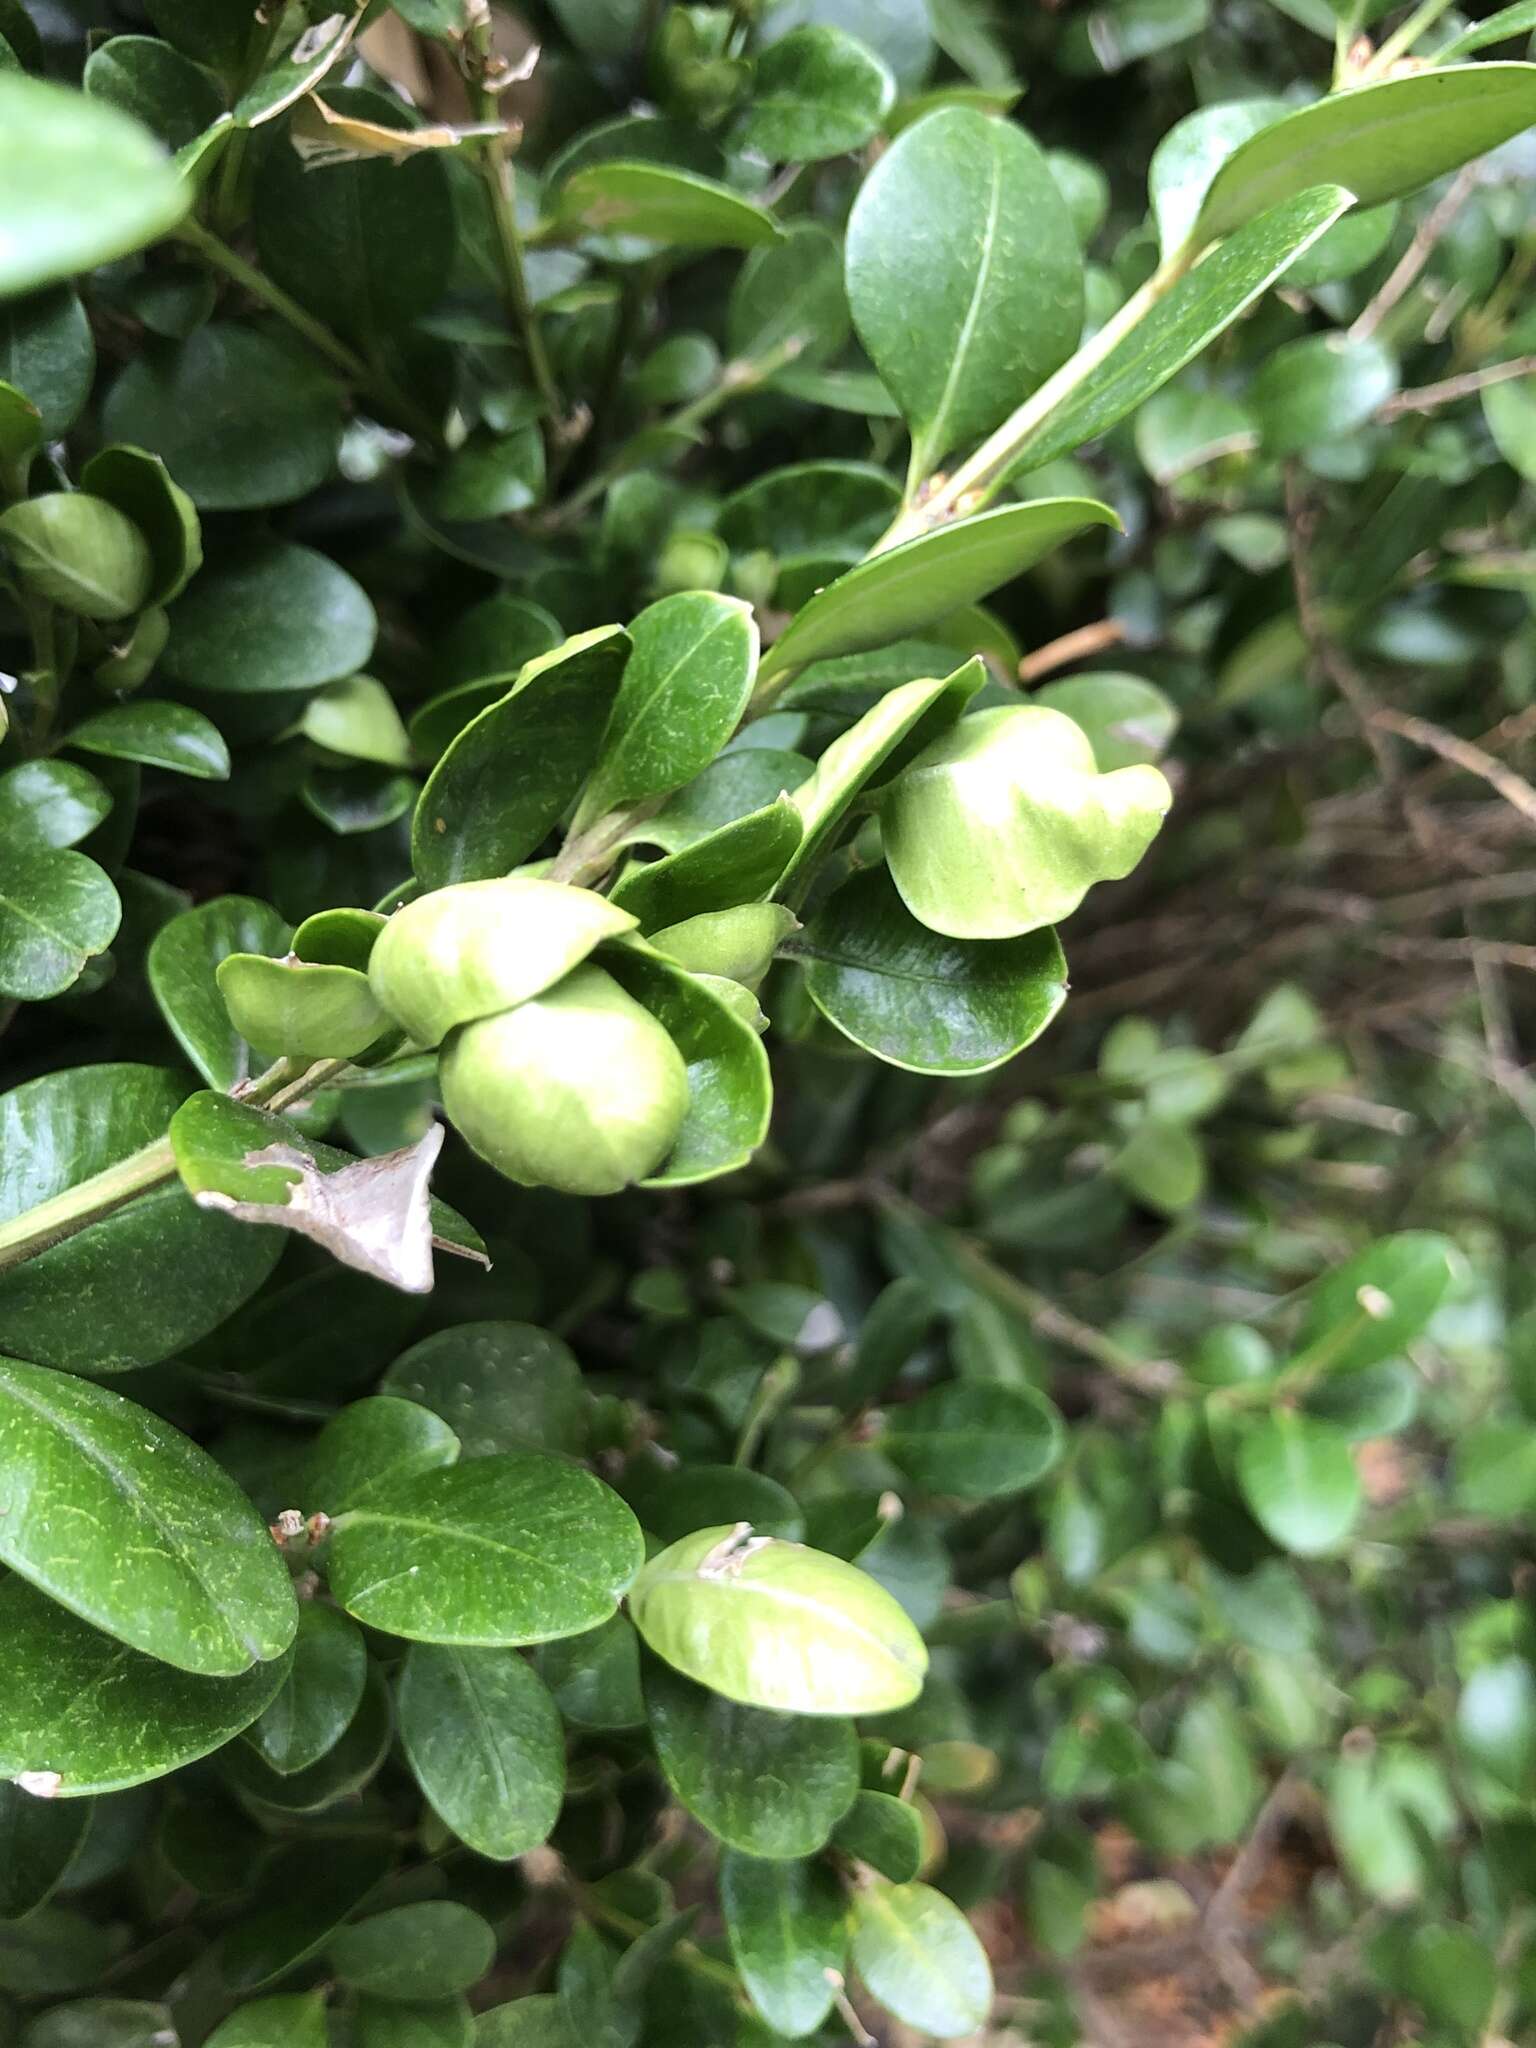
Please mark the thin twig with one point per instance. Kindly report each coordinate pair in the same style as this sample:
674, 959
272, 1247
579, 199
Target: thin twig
1514, 789
1325, 656
1078, 645
1425, 397
1405, 272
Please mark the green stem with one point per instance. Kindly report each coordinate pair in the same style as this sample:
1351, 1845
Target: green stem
491, 159
736, 379
979, 479
1402, 40
690, 1956
219, 256
77, 1208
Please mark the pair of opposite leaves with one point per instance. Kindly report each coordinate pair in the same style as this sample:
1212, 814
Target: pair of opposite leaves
1004, 823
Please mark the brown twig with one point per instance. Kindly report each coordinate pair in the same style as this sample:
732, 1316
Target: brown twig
1427, 396
1077, 645
1461, 753
1405, 272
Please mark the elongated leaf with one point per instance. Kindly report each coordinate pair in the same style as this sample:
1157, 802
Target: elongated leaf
1299, 1479
676, 208
298, 1909
964, 275
786, 1923
976, 1441
917, 1000
88, 1480
893, 594
83, 183
518, 1548
370, 1444
1378, 141
918, 1955
1190, 155
774, 1785
296, 2020
734, 865
774, 1624
483, 1738
1187, 319
685, 685
1372, 1307
512, 771
431, 1949
171, 736
1509, 22
80, 1713
182, 965
320, 1694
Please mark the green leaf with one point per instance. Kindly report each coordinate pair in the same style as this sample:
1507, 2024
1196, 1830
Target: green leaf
1322, 388
1494, 1468
443, 2023
302, 1901
1374, 1306
1510, 410
171, 96
240, 418
102, 2023
344, 1770
303, 64
685, 685
886, 1833
274, 617
513, 770
1509, 22
182, 965
1453, 1975
1190, 155
537, 2022
97, 1716
158, 734
772, 1785
895, 593
1161, 1164
139, 485
356, 717
730, 1088
789, 298
741, 781
431, 1950
817, 93
919, 1957
79, 552
48, 355
736, 945
734, 865
171, 1272
371, 1444
673, 1501
675, 208
594, 1678
773, 1624
1186, 320
57, 910
320, 1696
1378, 141
367, 246
49, 804
1004, 823
88, 1479
973, 1440
921, 1001
39, 1840
299, 1009
498, 1386
964, 275
87, 184
1126, 719
1496, 1723
294, 2021
786, 1926
483, 1738
1299, 1480
517, 1548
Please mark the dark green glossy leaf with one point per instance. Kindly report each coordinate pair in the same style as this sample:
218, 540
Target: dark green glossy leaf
171, 96
346, 1768
88, 183
516, 1548
483, 1738
47, 804
296, 2020
512, 771
786, 1922
893, 594
1187, 319
921, 1001
537, 2022
57, 910
594, 1679
139, 485
789, 297
773, 1785
159, 735
817, 93
302, 1901
974, 1440
90, 1480
1320, 389
432, 1950
97, 1716
47, 354
886, 1833
39, 1839
102, 2023
773, 1624
965, 277
497, 1386
320, 1694
440, 2023
1190, 155
79, 552
739, 782
673, 1501
239, 417
1379, 141
736, 864
172, 1271
918, 1955
275, 617
182, 965
371, 1444
676, 208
